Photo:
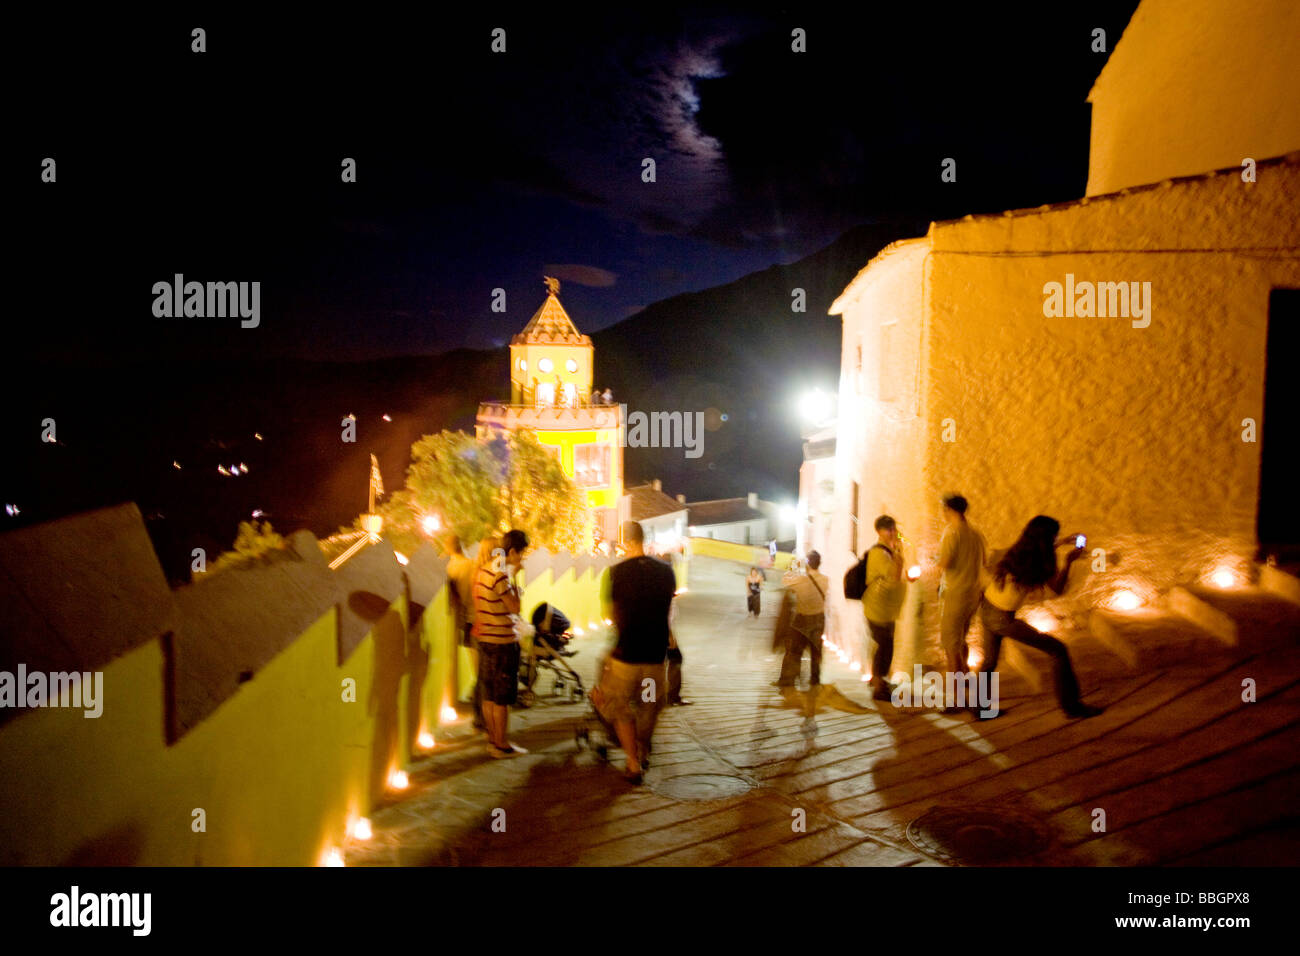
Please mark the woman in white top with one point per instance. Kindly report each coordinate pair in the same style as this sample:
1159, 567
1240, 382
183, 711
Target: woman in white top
1019, 575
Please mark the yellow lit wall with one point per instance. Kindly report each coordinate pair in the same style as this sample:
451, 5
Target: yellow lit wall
281, 768
522, 382
606, 496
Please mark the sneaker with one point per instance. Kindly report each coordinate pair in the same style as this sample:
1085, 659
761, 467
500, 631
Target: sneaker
497, 752
884, 692
512, 749
636, 779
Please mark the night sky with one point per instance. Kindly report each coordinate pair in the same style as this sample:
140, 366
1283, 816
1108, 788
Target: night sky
479, 170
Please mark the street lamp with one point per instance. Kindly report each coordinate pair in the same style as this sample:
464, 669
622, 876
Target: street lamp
816, 407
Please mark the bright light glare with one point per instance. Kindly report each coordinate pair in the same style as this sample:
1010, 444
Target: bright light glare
1224, 577
816, 406
914, 572
789, 514
401, 558
1125, 600
855, 666
333, 857
361, 830
426, 740
431, 524
399, 780
449, 714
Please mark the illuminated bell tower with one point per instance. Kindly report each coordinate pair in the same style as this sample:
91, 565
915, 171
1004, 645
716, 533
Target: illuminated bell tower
551, 395
550, 361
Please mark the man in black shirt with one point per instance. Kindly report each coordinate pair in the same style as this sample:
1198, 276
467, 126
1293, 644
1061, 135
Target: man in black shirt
632, 686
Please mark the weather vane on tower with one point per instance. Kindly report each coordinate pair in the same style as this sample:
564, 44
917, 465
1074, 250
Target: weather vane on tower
552, 285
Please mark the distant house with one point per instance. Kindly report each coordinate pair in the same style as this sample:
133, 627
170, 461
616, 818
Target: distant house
741, 520
663, 519
1123, 362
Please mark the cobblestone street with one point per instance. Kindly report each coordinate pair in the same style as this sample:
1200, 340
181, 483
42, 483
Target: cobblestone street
1182, 770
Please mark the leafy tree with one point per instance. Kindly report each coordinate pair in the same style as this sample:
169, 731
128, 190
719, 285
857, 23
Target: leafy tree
256, 542
479, 487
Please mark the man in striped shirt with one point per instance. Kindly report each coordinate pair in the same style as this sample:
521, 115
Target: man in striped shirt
495, 600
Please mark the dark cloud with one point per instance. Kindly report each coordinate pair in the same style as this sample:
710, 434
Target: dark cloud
593, 276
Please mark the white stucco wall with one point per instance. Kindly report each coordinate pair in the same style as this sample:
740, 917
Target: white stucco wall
882, 434
1131, 435
1196, 85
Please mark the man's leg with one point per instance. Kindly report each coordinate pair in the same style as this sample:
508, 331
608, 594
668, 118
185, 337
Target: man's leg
883, 635
814, 643
792, 662
626, 731
951, 634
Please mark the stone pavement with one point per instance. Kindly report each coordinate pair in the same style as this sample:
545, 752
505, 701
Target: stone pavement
1177, 770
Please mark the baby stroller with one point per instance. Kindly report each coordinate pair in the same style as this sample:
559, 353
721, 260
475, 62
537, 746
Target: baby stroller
548, 653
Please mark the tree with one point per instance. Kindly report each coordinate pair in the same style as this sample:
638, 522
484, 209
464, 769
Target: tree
255, 543
478, 487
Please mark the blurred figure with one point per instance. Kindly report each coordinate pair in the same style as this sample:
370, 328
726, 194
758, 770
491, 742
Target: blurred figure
634, 682
961, 559
1020, 574
883, 601
808, 623
461, 571
754, 585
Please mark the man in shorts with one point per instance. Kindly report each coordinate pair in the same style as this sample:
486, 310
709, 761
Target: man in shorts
632, 686
495, 600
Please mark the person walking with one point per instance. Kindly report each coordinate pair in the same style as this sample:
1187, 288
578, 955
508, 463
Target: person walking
633, 684
1020, 575
754, 584
461, 571
496, 599
808, 623
883, 601
961, 559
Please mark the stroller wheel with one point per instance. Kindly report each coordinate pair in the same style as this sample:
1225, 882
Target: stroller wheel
602, 751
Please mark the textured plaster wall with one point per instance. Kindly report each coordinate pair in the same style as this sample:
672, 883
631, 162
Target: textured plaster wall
881, 441
1131, 435
1195, 85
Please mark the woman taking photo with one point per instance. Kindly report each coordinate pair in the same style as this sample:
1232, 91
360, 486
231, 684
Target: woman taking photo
1020, 575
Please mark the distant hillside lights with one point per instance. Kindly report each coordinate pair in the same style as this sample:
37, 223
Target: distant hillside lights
1098, 299
211, 300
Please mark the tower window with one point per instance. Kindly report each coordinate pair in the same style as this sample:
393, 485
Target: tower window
591, 465
545, 366
571, 365
523, 365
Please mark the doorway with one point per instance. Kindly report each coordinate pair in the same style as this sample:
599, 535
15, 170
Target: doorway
1278, 522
